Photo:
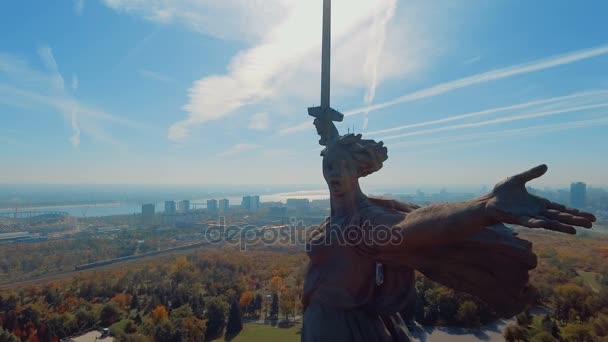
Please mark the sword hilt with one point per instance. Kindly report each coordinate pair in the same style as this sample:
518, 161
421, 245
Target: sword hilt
324, 122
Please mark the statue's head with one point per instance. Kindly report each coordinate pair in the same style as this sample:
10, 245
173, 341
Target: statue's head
349, 157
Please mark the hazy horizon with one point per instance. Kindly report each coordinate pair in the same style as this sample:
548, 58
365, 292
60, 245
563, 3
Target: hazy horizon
129, 91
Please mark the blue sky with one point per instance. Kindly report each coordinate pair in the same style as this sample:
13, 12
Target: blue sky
215, 92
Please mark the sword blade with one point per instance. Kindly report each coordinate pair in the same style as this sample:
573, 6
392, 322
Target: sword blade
326, 54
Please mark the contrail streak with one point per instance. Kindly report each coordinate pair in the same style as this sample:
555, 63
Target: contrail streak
496, 121
492, 75
493, 137
540, 129
490, 111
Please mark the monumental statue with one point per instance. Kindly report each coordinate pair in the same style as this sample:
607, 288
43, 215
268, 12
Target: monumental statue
363, 257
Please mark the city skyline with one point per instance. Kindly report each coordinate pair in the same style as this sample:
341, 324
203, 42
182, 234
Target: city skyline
123, 91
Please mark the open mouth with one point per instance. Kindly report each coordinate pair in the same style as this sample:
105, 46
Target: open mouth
334, 183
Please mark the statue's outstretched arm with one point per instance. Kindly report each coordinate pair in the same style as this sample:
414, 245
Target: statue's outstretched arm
509, 202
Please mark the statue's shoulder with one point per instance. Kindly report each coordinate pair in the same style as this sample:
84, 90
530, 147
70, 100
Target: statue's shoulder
393, 205
385, 212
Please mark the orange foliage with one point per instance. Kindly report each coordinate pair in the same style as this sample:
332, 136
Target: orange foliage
246, 299
159, 314
276, 283
123, 300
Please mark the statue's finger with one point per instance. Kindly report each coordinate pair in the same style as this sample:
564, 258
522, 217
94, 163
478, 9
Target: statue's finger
531, 174
529, 222
572, 211
557, 226
568, 218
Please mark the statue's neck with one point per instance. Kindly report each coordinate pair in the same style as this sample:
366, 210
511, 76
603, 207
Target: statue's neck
347, 204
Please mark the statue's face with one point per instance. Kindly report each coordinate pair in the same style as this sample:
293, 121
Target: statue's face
340, 171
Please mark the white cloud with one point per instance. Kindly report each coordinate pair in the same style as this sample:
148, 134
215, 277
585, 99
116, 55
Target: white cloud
284, 64
46, 55
238, 148
243, 20
259, 122
25, 87
487, 76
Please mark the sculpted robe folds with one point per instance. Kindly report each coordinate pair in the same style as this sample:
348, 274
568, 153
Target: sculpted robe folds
343, 302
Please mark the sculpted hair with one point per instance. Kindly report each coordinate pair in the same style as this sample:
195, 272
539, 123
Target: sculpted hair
368, 154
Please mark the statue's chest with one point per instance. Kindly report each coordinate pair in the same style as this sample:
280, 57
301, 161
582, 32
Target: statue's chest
344, 273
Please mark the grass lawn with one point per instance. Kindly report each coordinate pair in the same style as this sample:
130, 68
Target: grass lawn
591, 279
265, 333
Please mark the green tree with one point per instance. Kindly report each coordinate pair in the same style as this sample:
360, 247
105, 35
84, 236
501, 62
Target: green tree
543, 336
514, 333
62, 325
7, 336
85, 318
577, 332
217, 310
274, 306
549, 325
109, 314
467, 314
235, 323
130, 327
524, 319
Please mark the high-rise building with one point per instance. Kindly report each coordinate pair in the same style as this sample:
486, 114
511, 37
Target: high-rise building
183, 206
298, 203
170, 207
212, 205
223, 204
147, 213
578, 194
246, 202
251, 203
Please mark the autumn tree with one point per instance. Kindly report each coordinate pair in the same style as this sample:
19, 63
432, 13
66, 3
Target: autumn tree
246, 299
276, 284
159, 314
123, 300
287, 303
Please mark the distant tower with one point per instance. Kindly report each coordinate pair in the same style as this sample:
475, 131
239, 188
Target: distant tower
251, 203
246, 202
169, 207
578, 193
147, 213
212, 205
224, 204
183, 206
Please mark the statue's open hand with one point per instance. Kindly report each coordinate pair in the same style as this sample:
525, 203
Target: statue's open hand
511, 203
